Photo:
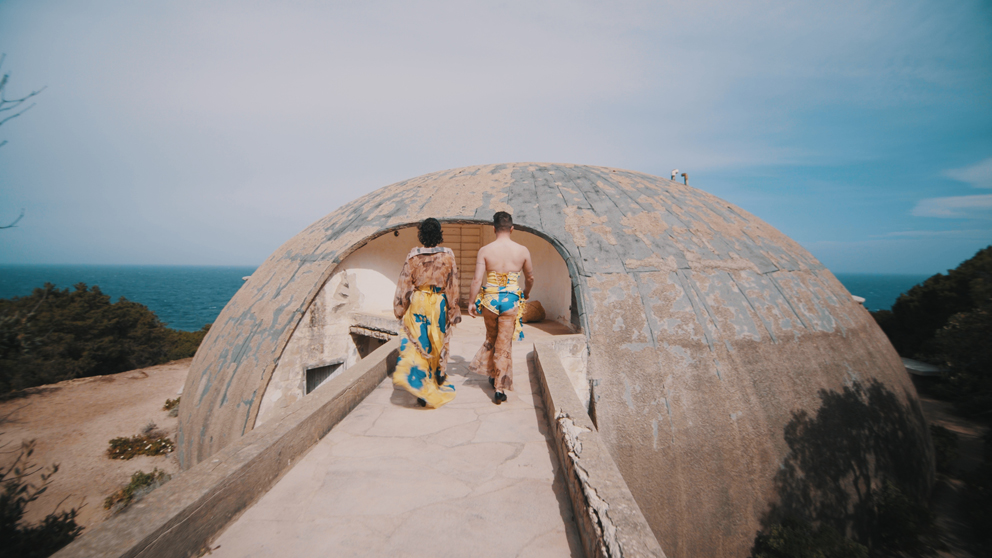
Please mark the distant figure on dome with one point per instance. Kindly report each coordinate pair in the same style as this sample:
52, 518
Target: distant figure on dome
501, 303
426, 302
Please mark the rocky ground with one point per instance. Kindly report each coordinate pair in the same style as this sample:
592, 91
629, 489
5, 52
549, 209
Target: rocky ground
72, 423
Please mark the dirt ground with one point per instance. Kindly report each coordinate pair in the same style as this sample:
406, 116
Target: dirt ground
949, 491
72, 423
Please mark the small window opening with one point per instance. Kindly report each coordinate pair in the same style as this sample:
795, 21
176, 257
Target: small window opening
366, 344
319, 375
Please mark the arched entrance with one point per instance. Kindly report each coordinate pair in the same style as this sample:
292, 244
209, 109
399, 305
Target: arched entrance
352, 314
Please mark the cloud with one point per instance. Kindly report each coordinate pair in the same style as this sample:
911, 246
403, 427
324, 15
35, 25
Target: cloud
246, 121
955, 207
978, 175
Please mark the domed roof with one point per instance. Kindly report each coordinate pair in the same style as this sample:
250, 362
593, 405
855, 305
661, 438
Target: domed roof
712, 336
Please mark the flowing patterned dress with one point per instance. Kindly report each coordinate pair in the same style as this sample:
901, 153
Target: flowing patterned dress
426, 302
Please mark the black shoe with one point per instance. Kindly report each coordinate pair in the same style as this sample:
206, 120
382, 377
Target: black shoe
492, 381
499, 397
441, 378
421, 402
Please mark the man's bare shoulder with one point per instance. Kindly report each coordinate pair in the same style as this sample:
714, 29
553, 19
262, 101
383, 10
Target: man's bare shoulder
520, 250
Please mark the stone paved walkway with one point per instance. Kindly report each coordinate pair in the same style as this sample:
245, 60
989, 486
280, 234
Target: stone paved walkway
392, 479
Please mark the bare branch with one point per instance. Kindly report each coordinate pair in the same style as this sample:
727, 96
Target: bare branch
16, 114
12, 105
19, 217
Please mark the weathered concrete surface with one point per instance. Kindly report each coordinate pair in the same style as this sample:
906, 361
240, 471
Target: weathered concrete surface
610, 522
714, 344
177, 519
393, 479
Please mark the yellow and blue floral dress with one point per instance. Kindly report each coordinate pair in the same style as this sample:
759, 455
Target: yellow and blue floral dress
426, 302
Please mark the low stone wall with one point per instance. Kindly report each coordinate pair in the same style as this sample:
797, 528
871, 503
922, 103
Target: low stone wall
610, 522
179, 518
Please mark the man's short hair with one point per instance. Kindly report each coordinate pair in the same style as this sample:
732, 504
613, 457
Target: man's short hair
502, 221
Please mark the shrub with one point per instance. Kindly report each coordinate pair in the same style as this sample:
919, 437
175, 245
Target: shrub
794, 538
965, 345
141, 484
183, 344
901, 520
947, 320
171, 404
54, 335
920, 312
42, 539
144, 444
898, 523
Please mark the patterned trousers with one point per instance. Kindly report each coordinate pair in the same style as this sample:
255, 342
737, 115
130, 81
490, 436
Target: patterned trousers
495, 357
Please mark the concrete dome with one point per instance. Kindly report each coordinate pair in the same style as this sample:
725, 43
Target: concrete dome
732, 376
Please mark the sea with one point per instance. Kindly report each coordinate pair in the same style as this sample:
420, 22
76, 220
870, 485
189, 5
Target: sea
189, 297
184, 297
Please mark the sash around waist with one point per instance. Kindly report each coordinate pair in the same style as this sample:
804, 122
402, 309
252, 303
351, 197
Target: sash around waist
505, 282
429, 289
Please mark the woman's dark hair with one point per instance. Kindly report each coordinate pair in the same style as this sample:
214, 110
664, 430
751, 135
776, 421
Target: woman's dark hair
429, 232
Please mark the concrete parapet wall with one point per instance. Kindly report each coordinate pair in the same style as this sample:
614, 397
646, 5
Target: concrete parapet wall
573, 354
179, 518
610, 522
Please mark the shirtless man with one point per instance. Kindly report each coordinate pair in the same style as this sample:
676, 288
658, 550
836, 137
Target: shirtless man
499, 264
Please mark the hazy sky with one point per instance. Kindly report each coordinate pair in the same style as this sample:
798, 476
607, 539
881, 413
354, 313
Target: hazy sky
212, 132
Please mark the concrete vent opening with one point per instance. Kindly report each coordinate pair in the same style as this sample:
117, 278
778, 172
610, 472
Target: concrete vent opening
365, 344
319, 375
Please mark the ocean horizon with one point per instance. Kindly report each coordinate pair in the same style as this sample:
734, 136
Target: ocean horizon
184, 297
189, 297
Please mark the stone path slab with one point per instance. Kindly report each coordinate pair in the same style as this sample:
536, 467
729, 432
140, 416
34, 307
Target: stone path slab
393, 479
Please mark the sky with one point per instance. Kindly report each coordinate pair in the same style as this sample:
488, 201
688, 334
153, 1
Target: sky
209, 133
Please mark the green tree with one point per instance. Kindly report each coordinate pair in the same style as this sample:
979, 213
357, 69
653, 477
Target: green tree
54, 335
919, 313
964, 345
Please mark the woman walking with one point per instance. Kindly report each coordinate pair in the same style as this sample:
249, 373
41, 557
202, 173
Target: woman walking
426, 302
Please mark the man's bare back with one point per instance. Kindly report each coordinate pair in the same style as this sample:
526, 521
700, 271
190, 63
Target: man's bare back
500, 305
502, 256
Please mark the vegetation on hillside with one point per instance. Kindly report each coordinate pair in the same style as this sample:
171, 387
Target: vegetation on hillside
919, 313
947, 320
37, 540
141, 484
54, 335
143, 444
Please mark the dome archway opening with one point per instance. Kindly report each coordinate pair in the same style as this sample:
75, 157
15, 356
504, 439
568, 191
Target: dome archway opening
352, 312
